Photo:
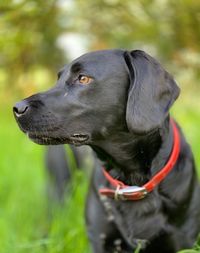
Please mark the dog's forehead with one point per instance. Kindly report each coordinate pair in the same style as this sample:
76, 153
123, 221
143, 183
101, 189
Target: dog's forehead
99, 60
101, 54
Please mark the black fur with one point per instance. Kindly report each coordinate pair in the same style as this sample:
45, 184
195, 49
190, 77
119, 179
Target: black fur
123, 114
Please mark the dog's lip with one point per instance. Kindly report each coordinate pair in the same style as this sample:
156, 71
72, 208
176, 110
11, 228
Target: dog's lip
76, 139
40, 139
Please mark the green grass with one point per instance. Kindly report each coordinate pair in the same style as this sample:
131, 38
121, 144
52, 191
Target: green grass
28, 222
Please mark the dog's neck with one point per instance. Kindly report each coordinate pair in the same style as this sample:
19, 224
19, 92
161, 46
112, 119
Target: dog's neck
133, 159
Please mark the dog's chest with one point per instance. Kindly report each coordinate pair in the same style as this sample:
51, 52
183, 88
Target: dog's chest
138, 221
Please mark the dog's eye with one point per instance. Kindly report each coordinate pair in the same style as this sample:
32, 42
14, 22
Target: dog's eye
84, 79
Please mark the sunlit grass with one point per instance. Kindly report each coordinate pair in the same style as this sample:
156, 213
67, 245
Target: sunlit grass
28, 221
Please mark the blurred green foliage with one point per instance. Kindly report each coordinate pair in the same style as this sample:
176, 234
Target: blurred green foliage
167, 26
29, 31
29, 59
28, 34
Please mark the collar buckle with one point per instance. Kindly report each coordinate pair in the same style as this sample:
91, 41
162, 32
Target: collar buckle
130, 193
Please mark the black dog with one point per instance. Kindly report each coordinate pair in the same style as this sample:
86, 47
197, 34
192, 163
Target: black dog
118, 103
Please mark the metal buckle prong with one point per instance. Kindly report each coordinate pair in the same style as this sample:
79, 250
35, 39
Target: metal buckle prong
116, 197
122, 193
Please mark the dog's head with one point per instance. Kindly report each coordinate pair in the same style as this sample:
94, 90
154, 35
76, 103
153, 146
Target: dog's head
99, 94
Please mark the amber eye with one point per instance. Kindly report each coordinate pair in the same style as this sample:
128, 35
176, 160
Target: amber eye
84, 79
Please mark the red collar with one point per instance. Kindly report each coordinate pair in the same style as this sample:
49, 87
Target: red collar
125, 192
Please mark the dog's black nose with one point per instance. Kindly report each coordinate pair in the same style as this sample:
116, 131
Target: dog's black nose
20, 108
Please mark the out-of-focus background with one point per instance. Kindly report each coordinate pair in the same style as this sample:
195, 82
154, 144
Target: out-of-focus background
36, 38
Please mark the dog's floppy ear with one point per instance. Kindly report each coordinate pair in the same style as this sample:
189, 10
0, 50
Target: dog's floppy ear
151, 93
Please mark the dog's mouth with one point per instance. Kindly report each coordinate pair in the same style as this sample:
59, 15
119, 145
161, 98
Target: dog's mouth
79, 138
75, 139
